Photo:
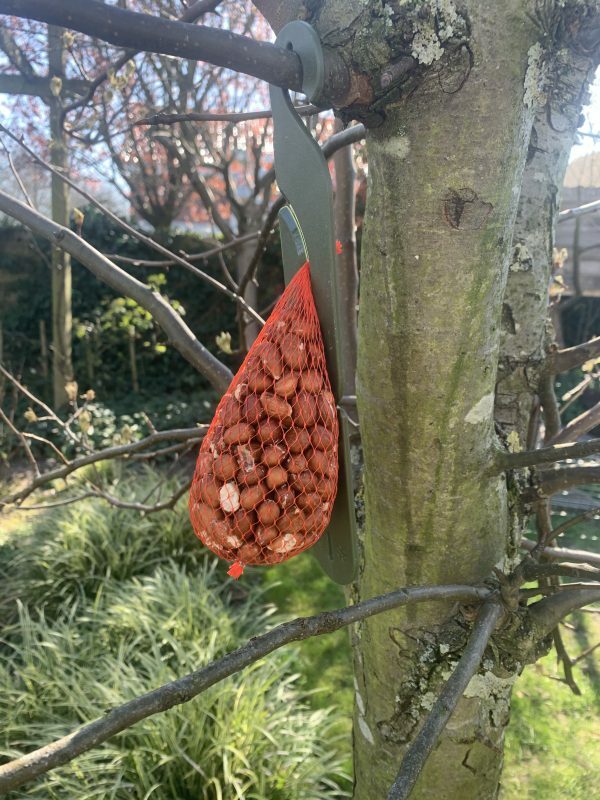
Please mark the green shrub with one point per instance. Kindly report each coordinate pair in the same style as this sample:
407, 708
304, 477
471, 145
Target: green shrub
108, 606
70, 551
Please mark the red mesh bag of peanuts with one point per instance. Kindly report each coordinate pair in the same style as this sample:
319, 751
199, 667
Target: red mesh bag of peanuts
266, 476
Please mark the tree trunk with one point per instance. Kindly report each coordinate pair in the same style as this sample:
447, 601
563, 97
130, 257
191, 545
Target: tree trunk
444, 173
62, 362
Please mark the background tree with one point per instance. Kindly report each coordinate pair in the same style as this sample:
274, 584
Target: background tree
452, 98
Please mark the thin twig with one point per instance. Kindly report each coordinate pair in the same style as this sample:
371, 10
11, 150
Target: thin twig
579, 426
570, 523
182, 690
50, 444
36, 401
421, 747
571, 357
16, 175
22, 439
165, 118
144, 508
140, 262
563, 553
564, 659
118, 451
547, 455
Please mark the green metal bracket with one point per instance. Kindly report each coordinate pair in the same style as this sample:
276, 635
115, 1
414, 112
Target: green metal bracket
308, 232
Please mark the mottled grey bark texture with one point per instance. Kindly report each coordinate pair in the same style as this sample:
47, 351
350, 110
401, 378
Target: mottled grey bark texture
444, 174
526, 331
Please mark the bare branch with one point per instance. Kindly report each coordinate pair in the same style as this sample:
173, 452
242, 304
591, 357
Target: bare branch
565, 660
571, 357
570, 523
571, 213
533, 571
15, 173
182, 690
22, 439
546, 614
144, 508
165, 118
130, 29
558, 480
36, 401
165, 315
563, 553
579, 426
421, 747
547, 455
204, 256
118, 451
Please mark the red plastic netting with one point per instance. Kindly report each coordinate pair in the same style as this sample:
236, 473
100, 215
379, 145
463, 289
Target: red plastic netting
266, 476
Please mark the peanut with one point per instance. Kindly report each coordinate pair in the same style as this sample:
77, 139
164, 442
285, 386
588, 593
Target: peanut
327, 408
326, 488
297, 440
245, 457
206, 514
258, 380
208, 490
229, 497
266, 535
284, 543
243, 521
269, 431
291, 521
293, 350
309, 501
319, 462
311, 381
238, 434
304, 482
286, 386
297, 463
270, 358
276, 476
273, 455
248, 552
240, 391
275, 406
252, 496
224, 466
254, 476
285, 497
252, 409
231, 411
305, 409
204, 463
268, 512
322, 438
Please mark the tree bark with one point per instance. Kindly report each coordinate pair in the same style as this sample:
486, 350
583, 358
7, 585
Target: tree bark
62, 321
440, 213
526, 329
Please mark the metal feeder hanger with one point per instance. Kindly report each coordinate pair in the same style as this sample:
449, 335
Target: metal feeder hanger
307, 232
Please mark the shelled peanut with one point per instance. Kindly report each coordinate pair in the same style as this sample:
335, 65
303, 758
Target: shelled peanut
267, 474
